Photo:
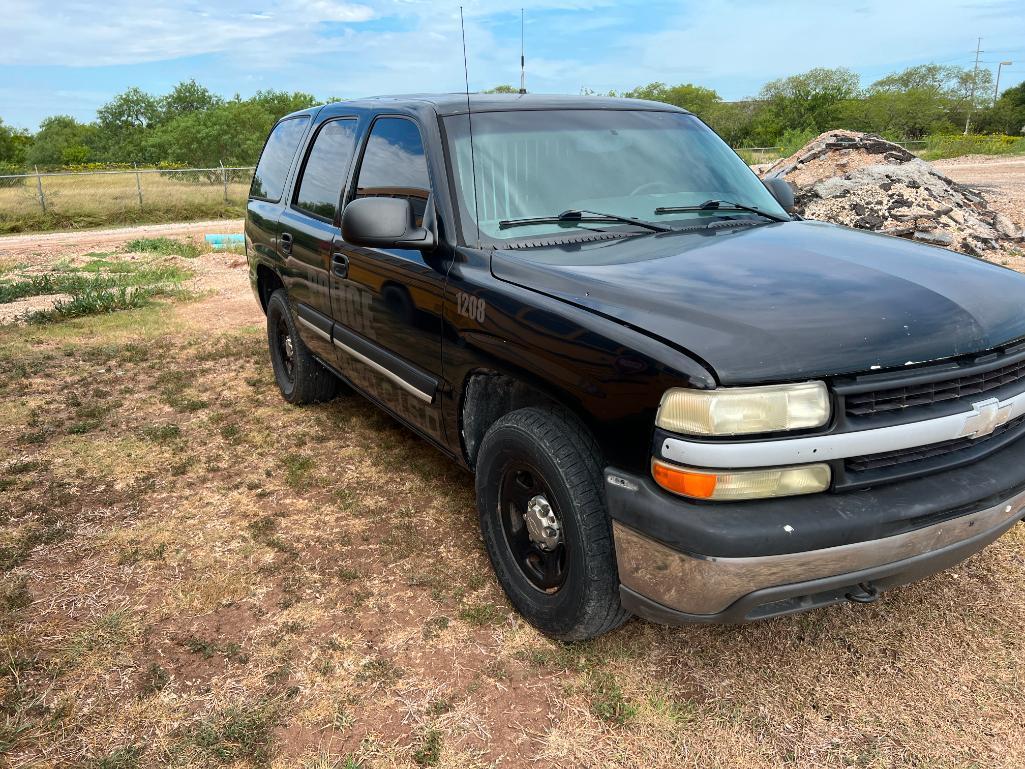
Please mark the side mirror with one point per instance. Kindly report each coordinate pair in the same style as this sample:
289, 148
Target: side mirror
782, 191
384, 223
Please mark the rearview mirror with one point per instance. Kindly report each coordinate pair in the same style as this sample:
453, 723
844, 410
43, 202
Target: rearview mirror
782, 191
384, 223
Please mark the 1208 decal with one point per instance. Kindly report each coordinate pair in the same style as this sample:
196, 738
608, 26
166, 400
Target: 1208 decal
470, 306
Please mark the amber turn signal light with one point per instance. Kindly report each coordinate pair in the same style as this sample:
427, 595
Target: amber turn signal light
702, 483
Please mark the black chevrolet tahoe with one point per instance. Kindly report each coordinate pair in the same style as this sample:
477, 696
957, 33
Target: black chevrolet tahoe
678, 400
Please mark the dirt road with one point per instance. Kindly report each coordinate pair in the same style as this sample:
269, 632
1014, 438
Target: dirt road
54, 242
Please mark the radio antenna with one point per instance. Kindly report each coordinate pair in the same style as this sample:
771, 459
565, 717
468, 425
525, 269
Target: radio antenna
469, 124
523, 65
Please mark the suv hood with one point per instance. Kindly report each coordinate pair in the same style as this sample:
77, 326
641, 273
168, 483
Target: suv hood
775, 302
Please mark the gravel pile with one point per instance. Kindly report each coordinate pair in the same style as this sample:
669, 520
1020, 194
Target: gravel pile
862, 180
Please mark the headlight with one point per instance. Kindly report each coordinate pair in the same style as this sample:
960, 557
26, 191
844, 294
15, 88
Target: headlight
726, 485
738, 410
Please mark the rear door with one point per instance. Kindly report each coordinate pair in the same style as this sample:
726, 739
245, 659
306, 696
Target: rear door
389, 301
309, 228
264, 206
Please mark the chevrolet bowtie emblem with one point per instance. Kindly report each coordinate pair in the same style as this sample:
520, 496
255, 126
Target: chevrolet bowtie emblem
986, 417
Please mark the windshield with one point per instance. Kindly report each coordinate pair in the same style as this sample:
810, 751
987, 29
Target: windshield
622, 162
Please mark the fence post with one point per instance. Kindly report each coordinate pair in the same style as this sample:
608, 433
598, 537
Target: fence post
138, 183
39, 186
224, 180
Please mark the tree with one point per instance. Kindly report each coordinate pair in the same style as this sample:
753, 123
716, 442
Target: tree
122, 124
231, 133
502, 89
701, 101
928, 98
1008, 114
188, 96
61, 140
280, 103
13, 145
127, 111
810, 101
733, 121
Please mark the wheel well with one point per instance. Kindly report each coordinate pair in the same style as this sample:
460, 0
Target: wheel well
267, 282
488, 396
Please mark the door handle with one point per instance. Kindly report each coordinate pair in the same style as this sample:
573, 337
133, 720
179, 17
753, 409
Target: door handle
339, 264
286, 242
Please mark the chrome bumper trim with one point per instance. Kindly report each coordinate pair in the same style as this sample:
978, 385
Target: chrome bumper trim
698, 584
985, 416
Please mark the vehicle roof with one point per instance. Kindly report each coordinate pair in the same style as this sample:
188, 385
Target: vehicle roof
455, 103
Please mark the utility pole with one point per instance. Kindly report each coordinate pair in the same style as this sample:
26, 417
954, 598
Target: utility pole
975, 79
996, 88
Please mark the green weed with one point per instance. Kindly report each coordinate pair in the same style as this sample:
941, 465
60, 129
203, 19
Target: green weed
153, 680
238, 734
110, 631
428, 749
481, 614
14, 594
121, 758
162, 433
163, 246
48, 530
95, 300
607, 700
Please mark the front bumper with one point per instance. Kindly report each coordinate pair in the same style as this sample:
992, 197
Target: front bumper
754, 560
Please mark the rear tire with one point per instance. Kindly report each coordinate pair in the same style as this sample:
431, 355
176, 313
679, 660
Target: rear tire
300, 377
542, 514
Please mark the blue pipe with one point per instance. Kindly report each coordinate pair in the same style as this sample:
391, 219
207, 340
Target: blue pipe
225, 241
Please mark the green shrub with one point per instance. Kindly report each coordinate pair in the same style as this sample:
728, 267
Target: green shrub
96, 300
955, 145
792, 140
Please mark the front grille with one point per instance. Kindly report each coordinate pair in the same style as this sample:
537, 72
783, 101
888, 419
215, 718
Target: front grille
895, 459
926, 394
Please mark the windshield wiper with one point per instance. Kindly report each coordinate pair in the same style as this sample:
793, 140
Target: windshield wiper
582, 216
719, 205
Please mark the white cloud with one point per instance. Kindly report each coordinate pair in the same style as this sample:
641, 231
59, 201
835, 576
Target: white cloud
76, 33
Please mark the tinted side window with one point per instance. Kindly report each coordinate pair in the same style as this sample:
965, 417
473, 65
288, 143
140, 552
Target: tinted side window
394, 165
326, 167
271, 171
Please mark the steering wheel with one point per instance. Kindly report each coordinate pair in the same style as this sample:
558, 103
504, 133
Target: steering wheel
651, 187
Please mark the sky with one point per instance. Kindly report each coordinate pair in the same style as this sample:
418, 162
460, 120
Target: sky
71, 56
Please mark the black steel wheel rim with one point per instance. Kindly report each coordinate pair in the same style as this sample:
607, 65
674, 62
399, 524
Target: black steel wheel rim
286, 348
546, 570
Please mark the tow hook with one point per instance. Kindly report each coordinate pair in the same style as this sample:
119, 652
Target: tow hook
867, 593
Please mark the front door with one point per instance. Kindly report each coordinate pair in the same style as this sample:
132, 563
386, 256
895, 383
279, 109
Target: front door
389, 302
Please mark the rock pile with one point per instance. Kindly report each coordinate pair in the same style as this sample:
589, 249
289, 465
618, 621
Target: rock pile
862, 180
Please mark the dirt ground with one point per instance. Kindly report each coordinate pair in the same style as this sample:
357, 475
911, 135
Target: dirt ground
196, 574
1001, 179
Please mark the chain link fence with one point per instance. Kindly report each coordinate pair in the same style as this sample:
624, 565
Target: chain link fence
114, 194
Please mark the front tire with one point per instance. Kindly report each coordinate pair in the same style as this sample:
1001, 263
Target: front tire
542, 514
299, 375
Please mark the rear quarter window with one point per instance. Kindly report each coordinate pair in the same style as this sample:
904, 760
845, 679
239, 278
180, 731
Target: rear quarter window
272, 170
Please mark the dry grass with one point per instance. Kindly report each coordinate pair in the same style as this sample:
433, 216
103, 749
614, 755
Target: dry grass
92, 200
249, 584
